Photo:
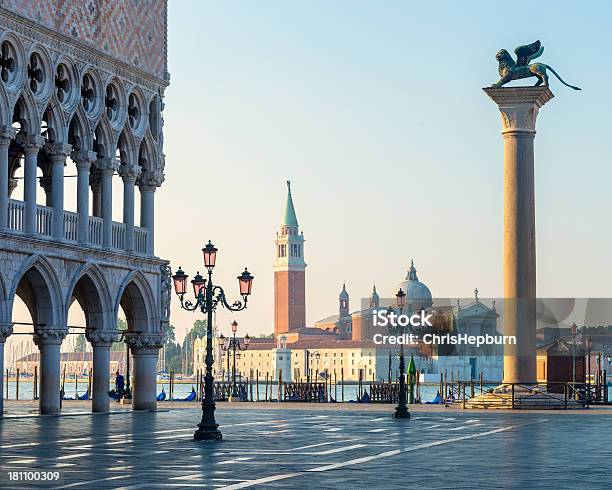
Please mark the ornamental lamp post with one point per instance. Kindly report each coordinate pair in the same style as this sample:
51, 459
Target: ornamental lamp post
233, 344
589, 345
401, 411
574, 329
208, 297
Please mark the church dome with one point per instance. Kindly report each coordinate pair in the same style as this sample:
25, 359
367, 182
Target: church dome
418, 295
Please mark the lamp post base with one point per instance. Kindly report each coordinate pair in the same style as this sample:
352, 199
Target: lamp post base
207, 434
401, 412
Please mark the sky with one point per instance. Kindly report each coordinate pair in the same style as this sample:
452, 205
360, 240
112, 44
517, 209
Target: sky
376, 113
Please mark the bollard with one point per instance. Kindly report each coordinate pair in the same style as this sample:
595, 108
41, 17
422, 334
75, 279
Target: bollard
17, 385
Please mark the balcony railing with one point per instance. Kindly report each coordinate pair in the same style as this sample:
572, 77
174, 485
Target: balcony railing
44, 223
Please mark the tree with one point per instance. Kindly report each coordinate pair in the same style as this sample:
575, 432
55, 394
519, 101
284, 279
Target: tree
199, 329
121, 327
81, 343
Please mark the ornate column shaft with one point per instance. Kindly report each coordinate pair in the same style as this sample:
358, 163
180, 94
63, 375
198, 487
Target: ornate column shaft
6, 329
129, 173
519, 108
49, 341
31, 144
83, 160
148, 182
58, 153
101, 342
107, 166
145, 349
7, 134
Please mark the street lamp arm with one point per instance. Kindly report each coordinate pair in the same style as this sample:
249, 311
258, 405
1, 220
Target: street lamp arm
219, 297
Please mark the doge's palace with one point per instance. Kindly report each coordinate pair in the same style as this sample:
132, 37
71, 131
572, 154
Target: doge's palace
81, 96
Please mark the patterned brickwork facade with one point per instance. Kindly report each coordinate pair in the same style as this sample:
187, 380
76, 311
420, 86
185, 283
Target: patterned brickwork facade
133, 31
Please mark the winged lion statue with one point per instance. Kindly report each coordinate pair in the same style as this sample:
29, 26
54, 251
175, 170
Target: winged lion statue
522, 68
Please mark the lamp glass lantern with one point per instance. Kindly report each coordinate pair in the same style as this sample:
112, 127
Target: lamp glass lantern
234, 326
210, 255
401, 298
180, 281
245, 281
198, 283
247, 340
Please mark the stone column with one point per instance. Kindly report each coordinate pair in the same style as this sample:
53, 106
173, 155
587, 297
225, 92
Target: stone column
46, 183
107, 167
83, 160
31, 145
95, 181
7, 134
148, 183
58, 153
519, 108
129, 173
49, 342
101, 342
6, 329
145, 349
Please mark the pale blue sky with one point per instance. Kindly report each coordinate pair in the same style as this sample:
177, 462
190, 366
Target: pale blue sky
375, 111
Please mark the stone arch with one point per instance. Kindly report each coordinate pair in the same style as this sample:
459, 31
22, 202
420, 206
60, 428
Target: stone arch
25, 112
79, 132
88, 287
37, 285
138, 302
104, 141
57, 129
127, 148
147, 153
5, 113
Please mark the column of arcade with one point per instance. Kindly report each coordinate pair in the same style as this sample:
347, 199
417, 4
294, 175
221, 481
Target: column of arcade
98, 178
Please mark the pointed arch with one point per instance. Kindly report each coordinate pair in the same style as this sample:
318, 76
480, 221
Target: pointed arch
89, 288
5, 113
147, 153
127, 148
80, 135
104, 141
38, 286
138, 302
57, 129
25, 112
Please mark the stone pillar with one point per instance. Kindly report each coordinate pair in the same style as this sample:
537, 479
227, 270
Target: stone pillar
148, 183
6, 329
83, 160
101, 342
95, 181
145, 349
49, 342
107, 167
30, 145
58, 153
7, 134
129, 173
519, 108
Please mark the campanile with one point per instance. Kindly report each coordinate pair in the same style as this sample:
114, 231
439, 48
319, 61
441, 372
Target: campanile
289, 273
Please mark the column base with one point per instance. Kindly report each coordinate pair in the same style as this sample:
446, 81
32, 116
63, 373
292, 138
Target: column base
209, 433
142, 405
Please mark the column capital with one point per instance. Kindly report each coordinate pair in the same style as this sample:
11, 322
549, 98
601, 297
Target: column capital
49, 335
30, 143
7, 134
107, 165
145, 343
129, 173
519, 106
6, 329
58, 152
45, 183
100, 338
149, 180
84, 158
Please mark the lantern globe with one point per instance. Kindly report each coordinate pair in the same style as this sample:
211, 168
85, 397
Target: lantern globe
210, 255
198, 283
234, 326
180, 281
245, 281
247, 340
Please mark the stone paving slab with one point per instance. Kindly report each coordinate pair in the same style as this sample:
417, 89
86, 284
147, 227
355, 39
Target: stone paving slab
293, 448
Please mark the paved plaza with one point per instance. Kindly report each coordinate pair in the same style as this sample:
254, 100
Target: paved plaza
297, 448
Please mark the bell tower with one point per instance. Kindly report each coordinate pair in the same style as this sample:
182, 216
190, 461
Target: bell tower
289, 273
